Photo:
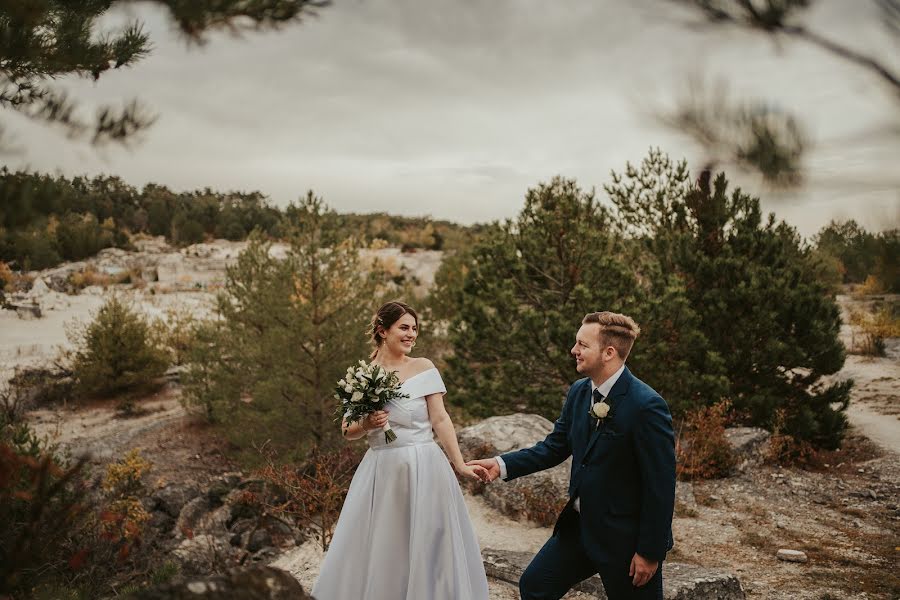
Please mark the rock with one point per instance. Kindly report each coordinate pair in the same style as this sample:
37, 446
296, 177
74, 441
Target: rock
172, 498
206, 553
680, 581
258, 540
538, 497
255, 583
748, 443
160, 521
792, 555
684, 495
190, 516
497, 435
38, 288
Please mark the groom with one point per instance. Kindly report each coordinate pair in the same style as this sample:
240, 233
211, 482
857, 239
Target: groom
618, 521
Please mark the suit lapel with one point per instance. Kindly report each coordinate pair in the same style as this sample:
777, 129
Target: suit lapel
618, 392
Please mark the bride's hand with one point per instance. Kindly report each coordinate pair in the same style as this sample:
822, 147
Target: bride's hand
476, 472
375, 420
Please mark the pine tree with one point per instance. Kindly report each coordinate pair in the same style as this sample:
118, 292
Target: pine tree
517, 302
755, 286
289, 327
115, 353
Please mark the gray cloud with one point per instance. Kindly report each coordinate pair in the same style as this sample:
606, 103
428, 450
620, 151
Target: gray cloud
455, 108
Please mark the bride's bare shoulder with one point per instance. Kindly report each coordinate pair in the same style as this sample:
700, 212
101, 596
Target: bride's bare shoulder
421, 364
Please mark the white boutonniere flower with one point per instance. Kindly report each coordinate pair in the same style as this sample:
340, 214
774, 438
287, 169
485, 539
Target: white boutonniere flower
600, 410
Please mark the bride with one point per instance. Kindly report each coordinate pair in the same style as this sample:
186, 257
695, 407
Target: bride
404, 531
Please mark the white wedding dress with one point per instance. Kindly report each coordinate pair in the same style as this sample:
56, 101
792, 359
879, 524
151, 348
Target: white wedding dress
404, 531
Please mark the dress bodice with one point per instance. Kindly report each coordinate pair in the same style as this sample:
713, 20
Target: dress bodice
408, 416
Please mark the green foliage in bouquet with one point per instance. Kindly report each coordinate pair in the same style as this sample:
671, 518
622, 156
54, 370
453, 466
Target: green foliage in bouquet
363, 390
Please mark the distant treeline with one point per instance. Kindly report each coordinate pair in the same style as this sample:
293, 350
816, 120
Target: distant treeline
860, 256
46, 220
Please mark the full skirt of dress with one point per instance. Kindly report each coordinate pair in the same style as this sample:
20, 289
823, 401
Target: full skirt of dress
404, 532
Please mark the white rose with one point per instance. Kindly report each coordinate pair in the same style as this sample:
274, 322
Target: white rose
357, 396
362, 363
342, 383
379, 391
348, 388
600, 410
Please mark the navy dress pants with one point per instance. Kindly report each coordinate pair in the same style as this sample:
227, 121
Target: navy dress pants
563, 563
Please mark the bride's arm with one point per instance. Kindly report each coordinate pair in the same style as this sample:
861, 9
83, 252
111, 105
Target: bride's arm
446, 434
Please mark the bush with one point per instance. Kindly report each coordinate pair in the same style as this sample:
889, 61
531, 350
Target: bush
176, 333
313, 493
43, 501
701, 449
876, 327
115, 353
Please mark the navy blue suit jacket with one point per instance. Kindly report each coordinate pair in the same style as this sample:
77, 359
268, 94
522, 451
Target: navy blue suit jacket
623, 470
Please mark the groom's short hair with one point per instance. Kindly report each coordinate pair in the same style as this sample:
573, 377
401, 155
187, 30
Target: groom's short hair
616, 330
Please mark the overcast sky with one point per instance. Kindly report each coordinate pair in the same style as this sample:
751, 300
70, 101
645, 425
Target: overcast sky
453, 109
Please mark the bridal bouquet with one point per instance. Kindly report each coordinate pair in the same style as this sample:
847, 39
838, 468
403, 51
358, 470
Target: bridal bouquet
363, 390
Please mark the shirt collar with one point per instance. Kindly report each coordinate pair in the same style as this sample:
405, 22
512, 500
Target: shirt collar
606, 387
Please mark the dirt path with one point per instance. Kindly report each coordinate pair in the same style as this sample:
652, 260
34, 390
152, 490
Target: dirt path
875, 399
875, 405
101, 431
881, 429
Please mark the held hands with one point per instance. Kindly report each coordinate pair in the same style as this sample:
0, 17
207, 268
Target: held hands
473, 472
642, 570
489, 465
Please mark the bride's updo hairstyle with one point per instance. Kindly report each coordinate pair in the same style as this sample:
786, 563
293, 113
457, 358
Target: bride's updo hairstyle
387, 315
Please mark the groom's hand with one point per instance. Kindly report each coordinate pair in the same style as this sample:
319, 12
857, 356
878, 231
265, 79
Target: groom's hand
490, 465
642, 570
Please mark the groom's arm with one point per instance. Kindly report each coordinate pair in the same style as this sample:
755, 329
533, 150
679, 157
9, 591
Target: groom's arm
654, 442
548, 453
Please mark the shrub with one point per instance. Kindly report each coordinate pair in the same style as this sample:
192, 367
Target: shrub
43, 501
701, 449
176, 332
785, 449
876, 327
313, 493
115, 353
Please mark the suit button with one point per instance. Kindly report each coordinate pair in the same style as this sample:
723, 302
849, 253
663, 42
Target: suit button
583, 464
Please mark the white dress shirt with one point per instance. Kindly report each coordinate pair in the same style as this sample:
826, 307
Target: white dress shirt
605, 388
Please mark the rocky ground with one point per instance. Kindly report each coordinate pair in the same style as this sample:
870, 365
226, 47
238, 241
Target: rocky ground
843, 515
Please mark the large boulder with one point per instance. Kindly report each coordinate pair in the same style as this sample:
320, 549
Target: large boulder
749, 445
538, 497
506, 433
256, 583
680, 581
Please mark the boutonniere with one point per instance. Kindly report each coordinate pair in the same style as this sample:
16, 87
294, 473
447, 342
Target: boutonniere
599, 410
